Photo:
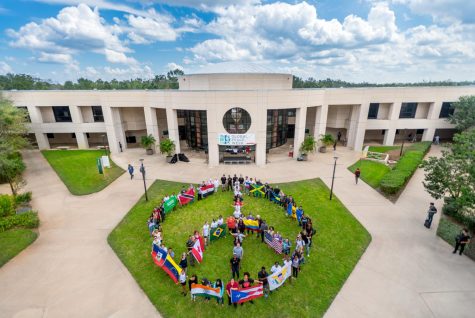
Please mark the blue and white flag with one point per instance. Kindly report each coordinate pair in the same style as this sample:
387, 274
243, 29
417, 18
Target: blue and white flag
242, 295
278, 278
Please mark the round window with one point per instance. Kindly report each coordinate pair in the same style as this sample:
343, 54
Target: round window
237, 121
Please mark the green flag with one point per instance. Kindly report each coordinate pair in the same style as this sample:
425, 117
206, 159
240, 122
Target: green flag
170, 203
218, 232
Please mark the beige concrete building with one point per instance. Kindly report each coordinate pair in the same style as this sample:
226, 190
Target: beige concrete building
237, 117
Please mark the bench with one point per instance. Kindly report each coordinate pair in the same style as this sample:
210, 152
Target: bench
63, 148
236, 160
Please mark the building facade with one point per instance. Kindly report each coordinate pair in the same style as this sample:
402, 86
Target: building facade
236, 114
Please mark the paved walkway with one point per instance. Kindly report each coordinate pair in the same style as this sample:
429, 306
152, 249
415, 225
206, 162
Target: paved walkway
406, 272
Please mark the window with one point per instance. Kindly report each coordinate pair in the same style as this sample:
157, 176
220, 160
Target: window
291, 112
419, 131
447, 110
373, 111
73, 135
25, 109
62, 114
97, 114
237, 121
408, 110
50, 136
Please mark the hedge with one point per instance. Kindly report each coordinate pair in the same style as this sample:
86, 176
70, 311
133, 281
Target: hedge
451, 209
395, 179
27, 220
7, 205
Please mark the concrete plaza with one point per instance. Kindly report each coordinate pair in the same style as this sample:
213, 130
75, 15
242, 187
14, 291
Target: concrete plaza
407, 271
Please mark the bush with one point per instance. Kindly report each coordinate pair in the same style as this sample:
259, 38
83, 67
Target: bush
7, 205
23, 198
395, 180
28, 220
452, 209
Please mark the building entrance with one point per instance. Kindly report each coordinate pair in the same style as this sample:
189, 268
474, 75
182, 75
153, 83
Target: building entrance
237, 154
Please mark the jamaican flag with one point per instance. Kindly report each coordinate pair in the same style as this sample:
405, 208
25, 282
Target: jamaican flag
170, 203
218, 232
257, 190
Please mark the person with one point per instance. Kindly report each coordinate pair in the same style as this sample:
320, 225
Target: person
231, 285
170, 252
238, 251
295, 266
200, 194
241, 225
206, 233
334, 145
304, 221
235, 178
206, 282
306, 241
299, 243
461, 240
437, 140
241, 180
230, 182
262, 229
131, 171
246, 282
214, 225
430, 214
216, 185
182, 280
286, 245
262, 277
288, 262
357, 174
183, 262
275, 268
231, 223
120, 146
192, 280
235, 265
220, 220
338, 136
189, 245
219, 284
223, 183
238, 237
299, 213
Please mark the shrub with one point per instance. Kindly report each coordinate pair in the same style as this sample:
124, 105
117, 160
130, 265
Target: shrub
23, 198
27, 220
7, 205
405, 168
464, 216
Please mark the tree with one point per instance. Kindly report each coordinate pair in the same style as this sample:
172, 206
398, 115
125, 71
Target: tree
464, 114
11, 168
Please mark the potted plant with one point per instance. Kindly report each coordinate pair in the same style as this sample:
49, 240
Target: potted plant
147, 143
326, 140
308, 145
167, 146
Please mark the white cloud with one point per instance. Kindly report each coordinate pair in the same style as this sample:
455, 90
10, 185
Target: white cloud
150, 29
118, 57
5, 68
144, 72
447, 11
56, 58
173, 66
202, 4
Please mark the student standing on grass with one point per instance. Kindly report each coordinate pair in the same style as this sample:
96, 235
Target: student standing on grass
262, 277
357, 174
238, 251
295, 266
182, 280
183, 262
461, 240
206, 233
192, 280
219, 284
231, 285
246, 282
223, 183
235, 265
131, 171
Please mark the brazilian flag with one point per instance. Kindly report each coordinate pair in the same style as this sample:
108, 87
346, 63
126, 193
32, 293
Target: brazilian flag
218, 232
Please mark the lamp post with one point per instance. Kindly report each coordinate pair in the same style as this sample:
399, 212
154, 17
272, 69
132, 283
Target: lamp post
402, 145
104, 143
142, 170
333, 177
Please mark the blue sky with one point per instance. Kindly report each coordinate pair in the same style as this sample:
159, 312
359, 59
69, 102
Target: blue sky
353, 40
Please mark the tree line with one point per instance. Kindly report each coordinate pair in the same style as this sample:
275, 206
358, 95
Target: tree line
170, 81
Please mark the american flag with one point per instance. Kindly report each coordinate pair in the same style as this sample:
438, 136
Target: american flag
275, 243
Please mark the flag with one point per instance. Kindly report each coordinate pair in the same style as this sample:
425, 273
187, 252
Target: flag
273, 242
166, 262
217, 233
289, 209
245, 294
278, 278
275, 197
206, 291
197, 251
257, 190
206, 190
170, 203
187, 197
252, 225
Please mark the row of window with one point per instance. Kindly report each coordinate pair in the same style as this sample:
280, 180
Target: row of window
63, 115
408, 110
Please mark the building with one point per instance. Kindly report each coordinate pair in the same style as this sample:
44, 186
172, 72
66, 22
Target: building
239, 116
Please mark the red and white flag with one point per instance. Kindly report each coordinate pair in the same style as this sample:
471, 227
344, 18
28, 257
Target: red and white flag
197, 251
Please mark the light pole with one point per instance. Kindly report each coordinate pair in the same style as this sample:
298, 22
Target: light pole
142, 170
104, 144
333, 177
402, 145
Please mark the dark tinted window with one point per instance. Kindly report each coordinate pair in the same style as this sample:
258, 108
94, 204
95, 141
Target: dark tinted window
373, 111
97, 114
408, 110
447, 110
62, 114
24, 108
237, 121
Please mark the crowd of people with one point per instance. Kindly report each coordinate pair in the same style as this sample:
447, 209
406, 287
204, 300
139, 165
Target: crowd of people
293, 254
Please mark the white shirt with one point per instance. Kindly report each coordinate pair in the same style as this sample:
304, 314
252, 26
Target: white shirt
214, 225
206, 230
299, 244
275, 268
220, 221
237, 213
182, 277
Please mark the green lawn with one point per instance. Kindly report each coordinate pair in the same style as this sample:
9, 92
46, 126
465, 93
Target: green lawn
13, 242
371, 172
382, 148
340, 242
78, 170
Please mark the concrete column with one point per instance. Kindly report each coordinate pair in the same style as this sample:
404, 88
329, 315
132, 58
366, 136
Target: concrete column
357, 128
76, 114
389, 136
213, 149
151, 123
35, 114
434, 110
321, 115
172, 121
428, 134
114, 128
42, 140
394, 111
300, 118
82, 141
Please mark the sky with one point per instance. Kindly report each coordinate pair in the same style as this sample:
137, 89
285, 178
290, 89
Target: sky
353, 40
